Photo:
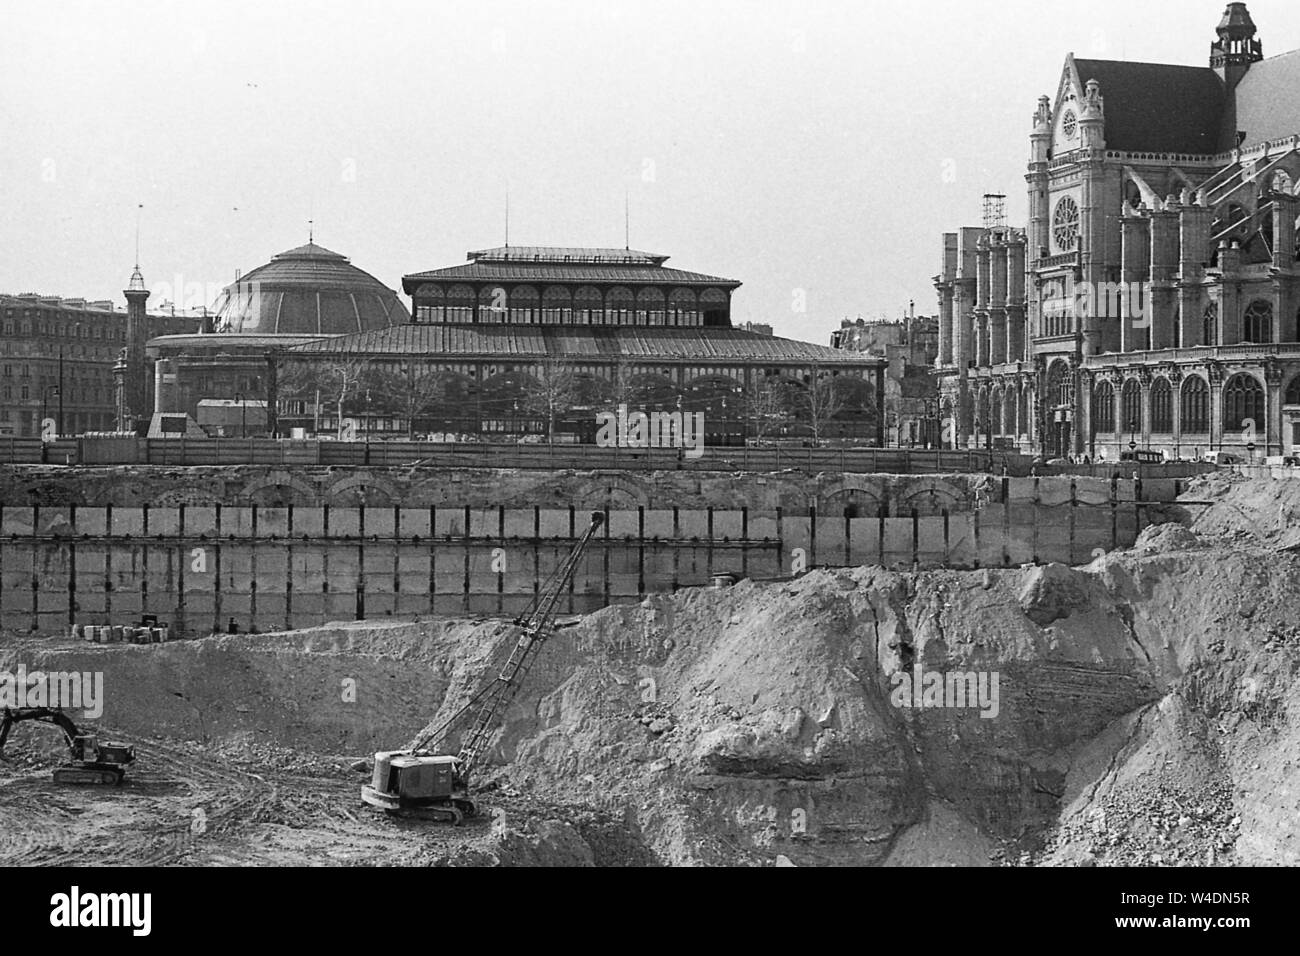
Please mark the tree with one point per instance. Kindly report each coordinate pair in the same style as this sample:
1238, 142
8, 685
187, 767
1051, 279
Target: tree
767, 405
552, 390
821, 401
404, 393
335, 381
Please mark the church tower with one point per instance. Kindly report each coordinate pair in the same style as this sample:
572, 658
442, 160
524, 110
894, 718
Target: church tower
1231, 56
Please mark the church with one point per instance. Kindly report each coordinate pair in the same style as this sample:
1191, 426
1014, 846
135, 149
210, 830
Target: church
1152, 300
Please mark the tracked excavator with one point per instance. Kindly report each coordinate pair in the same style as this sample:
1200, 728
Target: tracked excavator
89, 761
437, 784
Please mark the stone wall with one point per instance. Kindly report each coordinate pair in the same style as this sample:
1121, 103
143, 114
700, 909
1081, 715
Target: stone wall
267, 567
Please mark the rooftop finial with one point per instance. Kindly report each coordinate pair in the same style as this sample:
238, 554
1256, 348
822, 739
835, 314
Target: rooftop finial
627, 221
311, 232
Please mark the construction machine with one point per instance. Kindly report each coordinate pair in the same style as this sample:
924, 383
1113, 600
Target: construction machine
89, 761
438, 784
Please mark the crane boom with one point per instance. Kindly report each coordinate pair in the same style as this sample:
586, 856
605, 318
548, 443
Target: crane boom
537, 624
438, 783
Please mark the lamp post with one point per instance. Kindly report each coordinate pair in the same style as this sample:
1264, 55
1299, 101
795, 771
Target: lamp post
931, 413
45, 398
76, 333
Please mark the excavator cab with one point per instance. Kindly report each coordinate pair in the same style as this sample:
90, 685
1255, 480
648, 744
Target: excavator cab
409, 781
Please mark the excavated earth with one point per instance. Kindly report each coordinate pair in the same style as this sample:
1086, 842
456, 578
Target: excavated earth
1146, 714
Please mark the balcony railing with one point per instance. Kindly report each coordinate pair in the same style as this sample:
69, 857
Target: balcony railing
1197, 354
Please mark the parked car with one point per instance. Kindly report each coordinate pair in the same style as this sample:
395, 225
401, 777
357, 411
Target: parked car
1223, 458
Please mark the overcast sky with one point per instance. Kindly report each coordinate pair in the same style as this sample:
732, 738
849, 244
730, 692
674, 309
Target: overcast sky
807, 146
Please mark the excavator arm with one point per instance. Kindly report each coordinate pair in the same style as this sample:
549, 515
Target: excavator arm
45, 715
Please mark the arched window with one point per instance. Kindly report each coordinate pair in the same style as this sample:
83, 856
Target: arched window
1103, 409
1257, 322
525, 304
619, 304
1292, 396
682, 308
460, 304
1059, 388
1195, 406
1162, 407
430, 304
1131, 399
1210, 325
557, 305
650, 307
713, 307
1243, 403
588, 306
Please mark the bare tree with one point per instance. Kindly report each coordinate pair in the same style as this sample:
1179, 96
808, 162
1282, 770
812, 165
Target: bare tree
553, 389
410, 393
334, 381
767, 405
822, 401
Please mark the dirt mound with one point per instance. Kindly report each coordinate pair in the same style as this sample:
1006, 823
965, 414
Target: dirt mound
1139, 710
1261, 511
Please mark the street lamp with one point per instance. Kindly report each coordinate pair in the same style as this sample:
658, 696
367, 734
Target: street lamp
931, 413
45, 397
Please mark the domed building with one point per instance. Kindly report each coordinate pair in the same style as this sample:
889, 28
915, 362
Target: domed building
308, 291
300, 296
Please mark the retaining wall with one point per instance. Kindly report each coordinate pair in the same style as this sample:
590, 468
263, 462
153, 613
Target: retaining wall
268, 568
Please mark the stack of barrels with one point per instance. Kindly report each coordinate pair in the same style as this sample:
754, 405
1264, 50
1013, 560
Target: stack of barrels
121, 634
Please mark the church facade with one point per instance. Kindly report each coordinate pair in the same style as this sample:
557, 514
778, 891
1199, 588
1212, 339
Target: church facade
1152, 300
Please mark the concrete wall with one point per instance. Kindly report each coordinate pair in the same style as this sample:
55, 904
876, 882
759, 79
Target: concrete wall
268, 568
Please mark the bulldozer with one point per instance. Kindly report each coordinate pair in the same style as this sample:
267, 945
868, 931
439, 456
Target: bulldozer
436, 784
89, 761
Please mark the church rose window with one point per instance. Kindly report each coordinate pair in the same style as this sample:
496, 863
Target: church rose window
1069, 125
1065, 224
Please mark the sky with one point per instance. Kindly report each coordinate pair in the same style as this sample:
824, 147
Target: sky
814, 150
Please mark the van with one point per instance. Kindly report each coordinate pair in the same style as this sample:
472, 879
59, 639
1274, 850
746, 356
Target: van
1222, 458
1143, 457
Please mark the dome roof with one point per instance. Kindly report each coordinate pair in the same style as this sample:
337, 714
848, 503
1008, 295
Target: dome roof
308, 291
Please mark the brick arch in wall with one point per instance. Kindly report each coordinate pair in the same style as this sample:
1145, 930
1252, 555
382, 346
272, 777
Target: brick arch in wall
174, 497
359, 489
852, 492
616, 491
271, 490
931, 499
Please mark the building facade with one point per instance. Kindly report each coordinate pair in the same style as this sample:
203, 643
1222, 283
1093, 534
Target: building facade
45, 339
1151, 303
537, 340
299, 296
910, 347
